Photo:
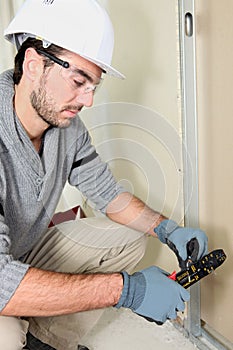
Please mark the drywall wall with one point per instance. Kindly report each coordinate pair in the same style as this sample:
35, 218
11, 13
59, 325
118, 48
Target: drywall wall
7, 10
136, 123
215, 111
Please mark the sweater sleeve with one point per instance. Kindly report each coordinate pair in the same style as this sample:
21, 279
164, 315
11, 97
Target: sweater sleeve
91, 175
11, 270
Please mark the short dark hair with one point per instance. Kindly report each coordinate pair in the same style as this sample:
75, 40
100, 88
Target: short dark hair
37, 45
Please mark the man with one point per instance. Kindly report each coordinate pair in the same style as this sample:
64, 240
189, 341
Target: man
48, 277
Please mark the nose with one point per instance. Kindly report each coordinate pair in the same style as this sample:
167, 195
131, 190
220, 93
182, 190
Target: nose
86, 99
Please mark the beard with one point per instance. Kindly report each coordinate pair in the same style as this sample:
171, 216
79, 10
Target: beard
46, 108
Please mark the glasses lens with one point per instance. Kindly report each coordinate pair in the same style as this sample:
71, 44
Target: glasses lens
80, 79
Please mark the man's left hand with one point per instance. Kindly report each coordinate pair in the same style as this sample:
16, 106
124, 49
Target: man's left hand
188, 244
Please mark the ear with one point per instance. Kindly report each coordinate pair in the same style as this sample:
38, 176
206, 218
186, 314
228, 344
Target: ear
33, 65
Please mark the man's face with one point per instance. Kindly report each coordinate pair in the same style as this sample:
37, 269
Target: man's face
61, 93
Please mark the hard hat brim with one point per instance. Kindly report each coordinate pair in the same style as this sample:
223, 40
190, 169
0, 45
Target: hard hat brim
109, 70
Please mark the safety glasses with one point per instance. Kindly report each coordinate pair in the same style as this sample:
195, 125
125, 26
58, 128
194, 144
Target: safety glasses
79, 79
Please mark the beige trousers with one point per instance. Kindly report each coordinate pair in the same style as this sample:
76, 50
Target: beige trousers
83, 246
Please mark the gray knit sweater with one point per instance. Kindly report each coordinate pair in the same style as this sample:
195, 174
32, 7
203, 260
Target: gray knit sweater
31, 185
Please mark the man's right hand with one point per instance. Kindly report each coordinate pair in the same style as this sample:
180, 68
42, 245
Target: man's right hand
151, 294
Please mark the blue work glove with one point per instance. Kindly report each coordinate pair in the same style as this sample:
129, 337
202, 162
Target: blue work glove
187, 243
151, 294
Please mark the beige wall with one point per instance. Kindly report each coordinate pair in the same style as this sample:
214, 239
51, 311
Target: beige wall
7, 9
215, 109
139, 132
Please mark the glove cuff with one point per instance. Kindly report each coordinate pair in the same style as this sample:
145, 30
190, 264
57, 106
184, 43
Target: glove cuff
133, 292
164, 229
125, 289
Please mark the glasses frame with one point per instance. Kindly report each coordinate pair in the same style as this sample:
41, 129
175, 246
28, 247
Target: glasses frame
87, 87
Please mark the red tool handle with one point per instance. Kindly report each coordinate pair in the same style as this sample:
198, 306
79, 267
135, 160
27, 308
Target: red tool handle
172, 276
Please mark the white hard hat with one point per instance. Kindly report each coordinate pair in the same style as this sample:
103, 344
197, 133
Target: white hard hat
80, 26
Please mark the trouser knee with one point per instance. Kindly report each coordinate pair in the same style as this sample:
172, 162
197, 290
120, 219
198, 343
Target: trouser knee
13, 332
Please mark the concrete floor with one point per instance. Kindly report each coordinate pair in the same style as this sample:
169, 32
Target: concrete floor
123, 330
